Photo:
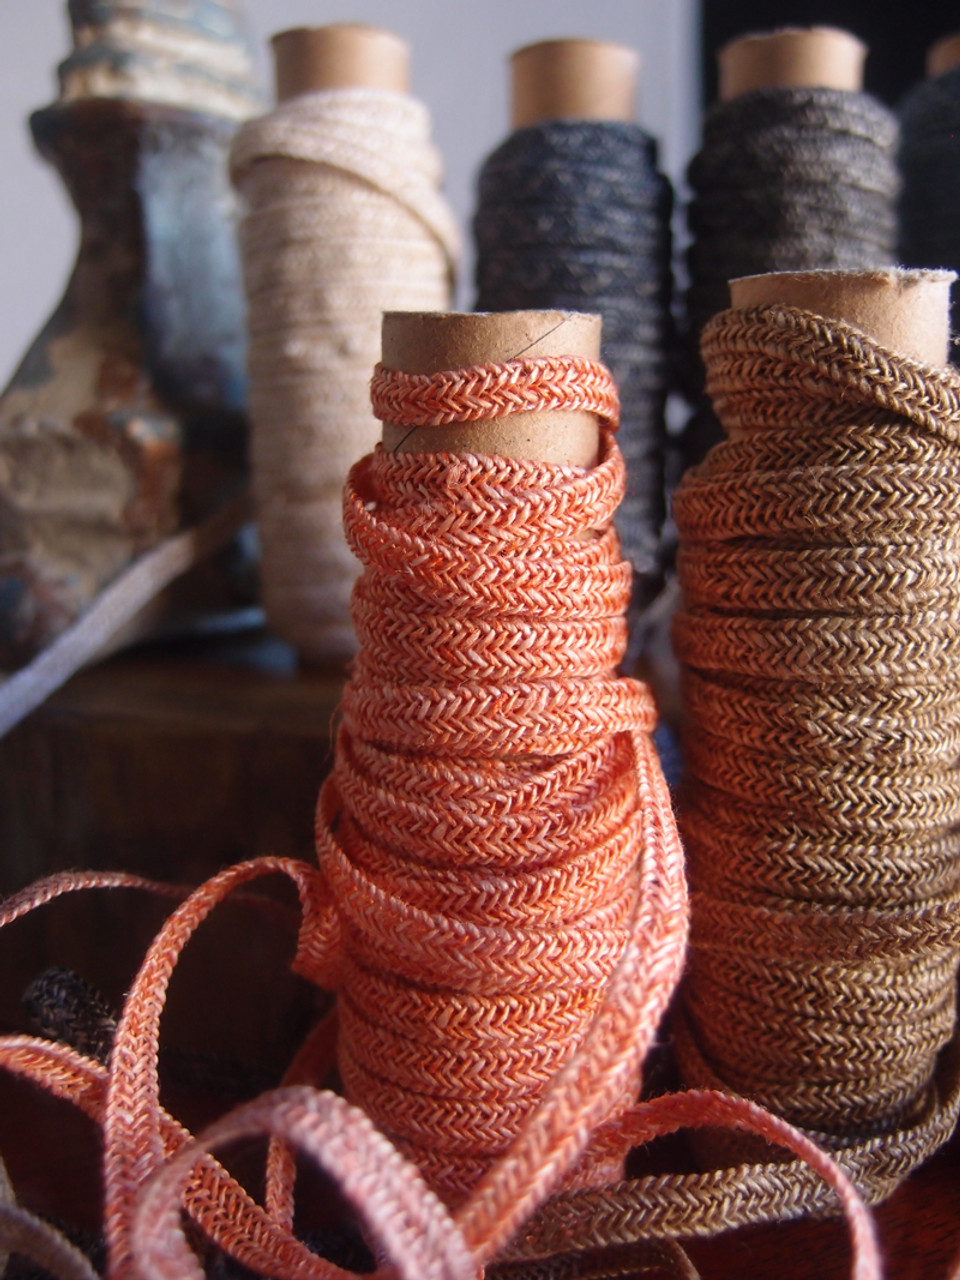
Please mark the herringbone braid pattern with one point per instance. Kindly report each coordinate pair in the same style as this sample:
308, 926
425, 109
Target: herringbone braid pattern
787, 179
574, 214
689, 1205
656, 1259
493, 391
465, 710
819, 637
347, 1147
505, 926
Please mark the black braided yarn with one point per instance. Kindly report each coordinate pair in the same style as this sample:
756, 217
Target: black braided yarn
785, 180
930, 167
575, 215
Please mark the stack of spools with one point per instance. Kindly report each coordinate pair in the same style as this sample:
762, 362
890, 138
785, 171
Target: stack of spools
797, 172
930, 165
820, 637
344, 220
573, 213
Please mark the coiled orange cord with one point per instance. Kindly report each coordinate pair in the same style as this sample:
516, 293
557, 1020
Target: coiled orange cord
475, 839
484, 831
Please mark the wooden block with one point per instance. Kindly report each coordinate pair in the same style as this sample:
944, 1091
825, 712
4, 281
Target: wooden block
171, 767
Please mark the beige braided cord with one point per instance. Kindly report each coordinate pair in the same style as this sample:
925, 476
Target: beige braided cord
344, 221
32, 1238
819, 639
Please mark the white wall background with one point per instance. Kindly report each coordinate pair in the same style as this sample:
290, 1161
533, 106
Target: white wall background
459, 69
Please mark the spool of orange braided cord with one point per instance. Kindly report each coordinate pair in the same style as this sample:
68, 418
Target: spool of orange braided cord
483, 828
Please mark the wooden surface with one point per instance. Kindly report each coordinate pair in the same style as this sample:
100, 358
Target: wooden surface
174, 763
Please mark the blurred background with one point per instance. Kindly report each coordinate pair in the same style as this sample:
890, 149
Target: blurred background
459, 69
460, 54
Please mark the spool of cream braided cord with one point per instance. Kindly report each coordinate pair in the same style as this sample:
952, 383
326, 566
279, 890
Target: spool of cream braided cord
344, 220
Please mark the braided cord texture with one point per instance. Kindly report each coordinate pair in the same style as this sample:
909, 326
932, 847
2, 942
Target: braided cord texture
484, 831
785, 180
575, 214
500, 902
819, 639
930, 196
344, 220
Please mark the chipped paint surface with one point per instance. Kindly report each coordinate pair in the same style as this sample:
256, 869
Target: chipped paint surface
191, 54
126, 415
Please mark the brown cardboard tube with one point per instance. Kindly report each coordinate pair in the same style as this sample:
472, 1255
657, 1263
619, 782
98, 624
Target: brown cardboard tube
341, 56
573, 80
944, 55
905, 311
800, 58
429, 342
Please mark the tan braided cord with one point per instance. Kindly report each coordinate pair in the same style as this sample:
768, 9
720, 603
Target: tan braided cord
819, 635
685, 1206
29, 1236
657, 1259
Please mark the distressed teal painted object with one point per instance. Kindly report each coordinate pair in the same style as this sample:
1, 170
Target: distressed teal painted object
192, 54
126, 417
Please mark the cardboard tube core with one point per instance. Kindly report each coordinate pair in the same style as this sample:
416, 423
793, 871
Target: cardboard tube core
944, 55
573, 80
341, 56
794, 57
906, 311
430, 342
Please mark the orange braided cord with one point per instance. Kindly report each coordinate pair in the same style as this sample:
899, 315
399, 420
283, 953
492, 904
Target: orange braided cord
415, 1235
406, 1220
133, 1145
564, 1227
502, 900
494, 391
495, 833
212, 1197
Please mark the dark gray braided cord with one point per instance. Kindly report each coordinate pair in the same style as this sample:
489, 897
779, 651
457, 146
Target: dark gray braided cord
786, 180
575, 215
930, 165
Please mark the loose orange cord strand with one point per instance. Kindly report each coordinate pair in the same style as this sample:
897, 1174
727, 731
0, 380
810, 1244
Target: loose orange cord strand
505, 838
213, 1198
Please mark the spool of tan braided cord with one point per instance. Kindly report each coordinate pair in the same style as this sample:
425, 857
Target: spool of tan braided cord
344, 220
819, 639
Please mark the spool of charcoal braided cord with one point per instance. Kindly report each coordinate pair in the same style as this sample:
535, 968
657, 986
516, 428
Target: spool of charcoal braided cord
492, 827
573, 212
818, 641
344, 219
930, 166
796, 172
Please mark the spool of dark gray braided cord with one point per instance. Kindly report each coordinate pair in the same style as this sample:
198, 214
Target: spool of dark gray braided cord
574, 214
787, 179
930, 165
